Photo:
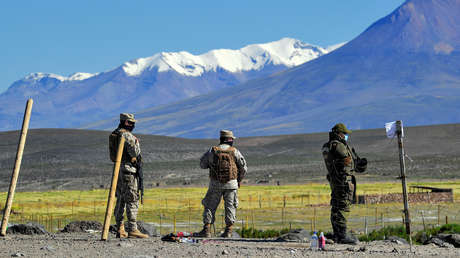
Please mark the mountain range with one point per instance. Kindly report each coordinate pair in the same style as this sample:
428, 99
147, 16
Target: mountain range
164, 78
405, 66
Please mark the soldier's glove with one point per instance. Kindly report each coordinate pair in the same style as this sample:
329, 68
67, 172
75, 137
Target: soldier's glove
361, 165
133, 160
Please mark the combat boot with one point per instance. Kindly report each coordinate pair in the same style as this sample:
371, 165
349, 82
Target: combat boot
137, 234
205, 232
228, 231
347, 239
121, 233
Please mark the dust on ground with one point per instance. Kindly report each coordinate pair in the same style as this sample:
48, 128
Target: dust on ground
90, 245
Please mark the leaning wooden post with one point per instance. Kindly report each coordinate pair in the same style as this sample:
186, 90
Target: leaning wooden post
113, 187
17, 166
403, 175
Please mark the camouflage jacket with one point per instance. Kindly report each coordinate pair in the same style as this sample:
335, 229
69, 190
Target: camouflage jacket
131, 149
206, 162
340, 160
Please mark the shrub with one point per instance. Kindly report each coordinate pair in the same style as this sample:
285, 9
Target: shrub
256, 233
424, 235
384, 233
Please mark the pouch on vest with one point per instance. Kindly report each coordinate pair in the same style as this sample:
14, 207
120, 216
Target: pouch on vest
224, 168
114, 140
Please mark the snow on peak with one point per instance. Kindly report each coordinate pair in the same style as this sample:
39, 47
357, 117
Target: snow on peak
80, 76
72, 77
287, 51
39, 76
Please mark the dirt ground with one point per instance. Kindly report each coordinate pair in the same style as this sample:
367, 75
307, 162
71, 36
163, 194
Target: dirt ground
89, 245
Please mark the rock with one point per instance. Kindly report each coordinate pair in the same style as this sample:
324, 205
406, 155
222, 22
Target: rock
147, 228
351, 249
48, 248
453, 239
18, 254
397, 240
296, 235
31, 228
113, 229
362, 249
235, 235
225, 252
82, 226
329, 241
437, 241
424, 237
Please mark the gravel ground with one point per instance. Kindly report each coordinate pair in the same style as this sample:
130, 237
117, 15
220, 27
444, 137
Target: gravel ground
89, 245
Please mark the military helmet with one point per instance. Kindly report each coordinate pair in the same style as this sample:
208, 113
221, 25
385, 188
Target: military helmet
226, 134
127, 117
341, 128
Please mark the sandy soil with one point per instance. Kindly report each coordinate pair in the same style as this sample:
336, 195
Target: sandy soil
89, 245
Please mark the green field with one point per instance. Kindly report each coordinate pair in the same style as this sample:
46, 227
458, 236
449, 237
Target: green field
262, 207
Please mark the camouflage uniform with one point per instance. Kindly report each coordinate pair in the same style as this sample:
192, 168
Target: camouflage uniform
340, 162
217, 190
127, 187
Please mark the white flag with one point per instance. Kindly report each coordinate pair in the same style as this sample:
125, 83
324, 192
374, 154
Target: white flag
391, 129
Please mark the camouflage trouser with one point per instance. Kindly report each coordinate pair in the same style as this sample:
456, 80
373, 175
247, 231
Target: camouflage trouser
127, 197
211, 202
342, 195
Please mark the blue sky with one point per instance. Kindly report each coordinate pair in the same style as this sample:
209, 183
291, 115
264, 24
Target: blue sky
64, 37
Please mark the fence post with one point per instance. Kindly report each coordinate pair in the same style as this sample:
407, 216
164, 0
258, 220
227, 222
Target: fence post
160, 222
423, 221
439, 214
174, 223
17, 167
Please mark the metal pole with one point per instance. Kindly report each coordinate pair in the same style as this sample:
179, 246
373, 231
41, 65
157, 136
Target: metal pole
113, 187
17, 166
403, 175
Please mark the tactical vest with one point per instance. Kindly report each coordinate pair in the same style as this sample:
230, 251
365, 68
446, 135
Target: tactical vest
327, 150
224, 166
114, 141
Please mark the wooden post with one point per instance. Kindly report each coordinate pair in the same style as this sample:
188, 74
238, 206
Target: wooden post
113, 187
403, 175
17, 166
365, 225
439, 215
174, 223
314, 219
423, 221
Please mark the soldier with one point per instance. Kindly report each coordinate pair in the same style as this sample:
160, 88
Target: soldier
341, 163
227, 168
127, 191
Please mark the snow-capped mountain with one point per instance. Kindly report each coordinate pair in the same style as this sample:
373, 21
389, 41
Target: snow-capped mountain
404, 66
286, 52
166, 77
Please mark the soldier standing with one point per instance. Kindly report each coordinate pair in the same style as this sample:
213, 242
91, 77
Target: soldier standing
341, 162
227, 168
127, 191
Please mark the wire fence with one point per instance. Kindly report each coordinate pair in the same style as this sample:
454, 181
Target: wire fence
307, 211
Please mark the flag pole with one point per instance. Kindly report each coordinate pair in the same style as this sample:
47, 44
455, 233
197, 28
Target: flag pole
399, 132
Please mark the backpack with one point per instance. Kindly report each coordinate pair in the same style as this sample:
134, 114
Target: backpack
326, 149
114, 140
224, 165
